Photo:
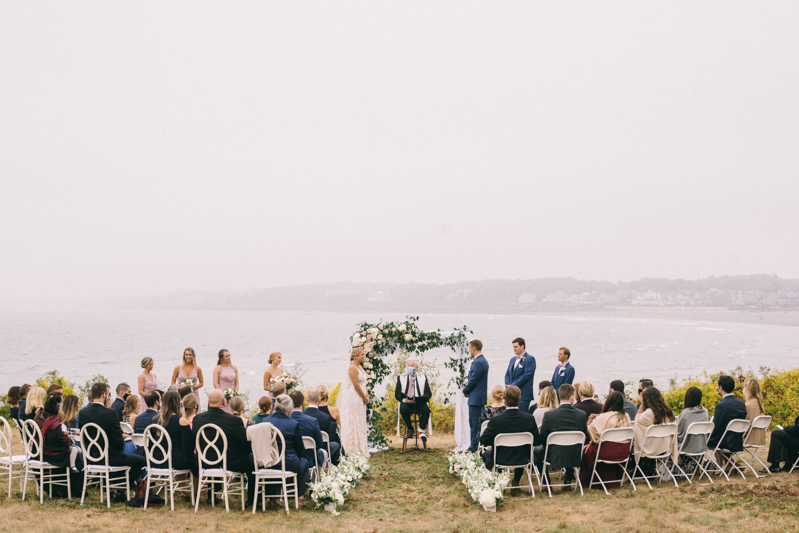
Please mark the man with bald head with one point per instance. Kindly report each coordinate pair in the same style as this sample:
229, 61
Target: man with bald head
413, 394
239, 451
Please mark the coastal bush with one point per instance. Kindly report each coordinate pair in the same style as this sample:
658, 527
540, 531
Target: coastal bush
55, 378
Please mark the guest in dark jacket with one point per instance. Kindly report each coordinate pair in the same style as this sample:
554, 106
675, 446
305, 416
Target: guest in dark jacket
728, 409
326, 423
12, 400
179, 431
784, 446
123, 391
565, 418
584, 392
309, 427
239, 451
150, 415
23, 398
292, 435
512, 420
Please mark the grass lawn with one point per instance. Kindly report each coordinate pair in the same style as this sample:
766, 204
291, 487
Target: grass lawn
414, 492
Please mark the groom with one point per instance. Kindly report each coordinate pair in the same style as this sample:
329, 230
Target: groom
521, 371
476, 390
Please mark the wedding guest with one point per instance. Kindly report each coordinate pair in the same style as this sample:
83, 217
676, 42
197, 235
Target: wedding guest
324, 396
585, 397
413, 394
226, 376
642, 386
292, 435
512, 420
35, 402
147, 381
179, 430
547, 400
565, 418
475, 390
692, 412
23, 397
497, 406
71, 408
150, 415
655, 412
12, 400
541, 386
54, 388
188, 370
183, 391
784, 446
613, 416
275, 358
629, 407
277, 389
190, 407
564, 372
122, 392
237, 407
309, 427
57, 447
264, 409
326, 424
521, 372
754, 408
239, 451
97, 413
130, 411
728, 409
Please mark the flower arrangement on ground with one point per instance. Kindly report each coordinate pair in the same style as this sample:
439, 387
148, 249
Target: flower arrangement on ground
334, 485
484, 486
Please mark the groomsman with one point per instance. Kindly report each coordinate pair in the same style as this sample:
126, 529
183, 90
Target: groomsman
564, 372
476, 390
520, 373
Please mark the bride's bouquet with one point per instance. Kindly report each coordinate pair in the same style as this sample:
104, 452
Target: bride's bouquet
291, 381
230, 393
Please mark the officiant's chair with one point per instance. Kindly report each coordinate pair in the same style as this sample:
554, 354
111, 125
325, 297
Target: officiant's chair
415, 421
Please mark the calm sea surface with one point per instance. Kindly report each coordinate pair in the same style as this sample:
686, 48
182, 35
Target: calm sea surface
82, 342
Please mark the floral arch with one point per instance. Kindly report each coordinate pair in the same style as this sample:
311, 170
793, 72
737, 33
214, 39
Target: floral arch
384, 339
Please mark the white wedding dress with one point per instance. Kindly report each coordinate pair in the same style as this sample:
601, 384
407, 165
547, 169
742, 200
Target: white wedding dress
354, 430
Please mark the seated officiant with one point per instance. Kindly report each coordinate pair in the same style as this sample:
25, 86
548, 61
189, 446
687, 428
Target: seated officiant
413, 394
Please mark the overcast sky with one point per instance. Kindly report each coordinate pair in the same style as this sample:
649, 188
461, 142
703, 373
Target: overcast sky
151, 147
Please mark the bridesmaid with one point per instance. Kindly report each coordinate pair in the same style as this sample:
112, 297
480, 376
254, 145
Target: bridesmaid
273, 371
147, 382
226, 376
189, 370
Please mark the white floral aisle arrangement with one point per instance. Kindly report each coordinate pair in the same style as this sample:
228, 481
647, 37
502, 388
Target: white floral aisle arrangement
484, 486
333, 486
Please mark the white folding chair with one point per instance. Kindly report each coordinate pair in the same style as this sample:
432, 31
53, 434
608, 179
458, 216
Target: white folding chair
95, 450
126, 428
34, 452
666, 434
617, 435
310, 443
761, 422
738, 426
566, 439
697, 430
272, 476
795, 464
512, 440
156, 439
326, 439
480, 447
11, 465
210, 470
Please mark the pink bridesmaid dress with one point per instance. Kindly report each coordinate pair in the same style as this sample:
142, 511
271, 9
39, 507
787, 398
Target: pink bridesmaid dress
182, 375
149, 386
227, 380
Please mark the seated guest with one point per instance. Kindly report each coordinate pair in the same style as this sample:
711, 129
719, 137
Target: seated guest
264, 408
184, 390
497, 406
728, 409
324, 396
613, 416
753, 396
541, 386
97, 413
130, 412
512, 420
123, 393
53, 388
692, 412
292, 435
585, 399
565, 418
190, 406
71, 408
239, 451
655, 411
34, 404
309, 427
564, 372
153, 401
642, 386
23, 397
629, 407
326, 424
413, 394
237, 407
12, 400
547, 400
57, 448
277, 389
179, 431
784, 446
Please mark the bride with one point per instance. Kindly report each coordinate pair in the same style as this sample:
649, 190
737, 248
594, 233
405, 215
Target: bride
352, 399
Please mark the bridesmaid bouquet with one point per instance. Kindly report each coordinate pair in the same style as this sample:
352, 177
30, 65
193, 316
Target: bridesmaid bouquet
290, 380
189, 382
230, 393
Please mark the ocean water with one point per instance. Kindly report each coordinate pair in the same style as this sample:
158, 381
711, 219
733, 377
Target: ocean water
83, 342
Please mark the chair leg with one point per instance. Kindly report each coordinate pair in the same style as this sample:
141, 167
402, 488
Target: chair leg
85, 482
224, 493
286, 495
579, 483
199, 492
69, 483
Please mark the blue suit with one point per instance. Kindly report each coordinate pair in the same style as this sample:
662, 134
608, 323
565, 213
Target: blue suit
295, 450
309, 427
567, 376
477, 391
522, 377
729, 408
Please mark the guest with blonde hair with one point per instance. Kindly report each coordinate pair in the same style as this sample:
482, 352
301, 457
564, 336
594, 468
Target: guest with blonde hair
237, 406
547, 400
131, 410
148, 382
35, 402
585, 399
324, 396
292, 435
190, 407
497, 406
753, 396
71, 408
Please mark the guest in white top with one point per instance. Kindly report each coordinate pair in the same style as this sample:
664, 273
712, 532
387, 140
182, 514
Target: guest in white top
547, 401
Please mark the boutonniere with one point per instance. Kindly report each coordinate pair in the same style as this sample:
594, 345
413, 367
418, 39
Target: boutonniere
522, 358
562, 370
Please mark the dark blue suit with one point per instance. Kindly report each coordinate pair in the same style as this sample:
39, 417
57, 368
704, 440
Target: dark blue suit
477, 391
295, 449
309, 427
559, 379
522, 377
729, 408
328, 425
150, 416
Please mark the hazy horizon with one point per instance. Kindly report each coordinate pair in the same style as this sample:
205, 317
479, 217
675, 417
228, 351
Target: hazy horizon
153, 148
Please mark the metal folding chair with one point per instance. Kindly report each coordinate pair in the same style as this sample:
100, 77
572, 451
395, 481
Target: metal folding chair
761, 422
739, 426
667, 434
565, 439
617, 435
696, 430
